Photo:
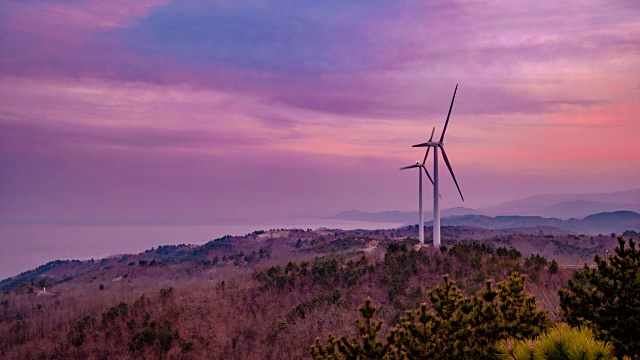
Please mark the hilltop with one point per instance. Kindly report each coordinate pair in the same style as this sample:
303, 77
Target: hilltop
526, 234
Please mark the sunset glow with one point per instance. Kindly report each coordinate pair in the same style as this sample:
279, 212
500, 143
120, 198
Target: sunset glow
193, 111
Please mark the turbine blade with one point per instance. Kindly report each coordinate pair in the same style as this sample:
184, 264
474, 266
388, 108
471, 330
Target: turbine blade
446, 160
425, 157
428, 175
410, 167
427, 153
449, 114
422, 145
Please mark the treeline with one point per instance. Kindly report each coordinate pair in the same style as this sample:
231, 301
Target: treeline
32, 277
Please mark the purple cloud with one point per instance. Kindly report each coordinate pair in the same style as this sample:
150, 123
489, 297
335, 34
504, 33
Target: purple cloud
192, 110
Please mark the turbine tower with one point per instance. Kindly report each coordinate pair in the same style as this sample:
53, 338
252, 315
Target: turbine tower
420, 211
439, 145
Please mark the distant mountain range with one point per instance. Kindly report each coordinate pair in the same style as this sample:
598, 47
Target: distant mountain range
566, 206
601, 223
595, 213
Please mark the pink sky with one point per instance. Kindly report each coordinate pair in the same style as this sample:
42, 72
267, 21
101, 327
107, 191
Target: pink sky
191, 111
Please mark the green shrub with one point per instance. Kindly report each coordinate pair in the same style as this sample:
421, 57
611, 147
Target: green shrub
562, 342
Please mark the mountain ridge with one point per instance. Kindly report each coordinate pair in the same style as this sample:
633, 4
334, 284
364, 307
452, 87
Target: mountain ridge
593, 224
568, 206
560, 206
600, 223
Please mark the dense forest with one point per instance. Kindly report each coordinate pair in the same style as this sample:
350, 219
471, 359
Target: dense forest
334, 294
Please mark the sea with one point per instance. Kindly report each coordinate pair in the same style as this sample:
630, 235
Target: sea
26, 246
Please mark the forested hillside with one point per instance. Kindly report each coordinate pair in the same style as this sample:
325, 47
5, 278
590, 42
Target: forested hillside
270, 295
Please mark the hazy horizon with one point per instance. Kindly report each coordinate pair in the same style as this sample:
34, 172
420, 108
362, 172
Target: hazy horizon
296, 218
26, 246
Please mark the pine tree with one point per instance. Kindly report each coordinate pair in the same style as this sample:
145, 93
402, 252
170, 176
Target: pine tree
452, 327
606, 299
519, 315
368, 347
468, 327
435, 333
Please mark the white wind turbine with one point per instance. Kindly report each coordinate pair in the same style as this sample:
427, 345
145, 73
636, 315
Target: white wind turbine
420, 211
436, 203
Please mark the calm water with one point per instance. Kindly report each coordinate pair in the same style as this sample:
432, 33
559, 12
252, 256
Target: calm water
25, 247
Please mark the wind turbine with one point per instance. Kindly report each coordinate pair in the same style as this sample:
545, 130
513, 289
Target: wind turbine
421, 166
439, 145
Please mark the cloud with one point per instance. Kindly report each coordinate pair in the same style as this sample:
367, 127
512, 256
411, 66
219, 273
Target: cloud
71, 16
190, 108
373, 60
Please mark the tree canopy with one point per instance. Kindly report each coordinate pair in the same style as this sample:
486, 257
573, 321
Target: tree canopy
453, 326
605, 298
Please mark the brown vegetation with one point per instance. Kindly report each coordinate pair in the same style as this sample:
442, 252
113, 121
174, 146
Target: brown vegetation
263, 297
